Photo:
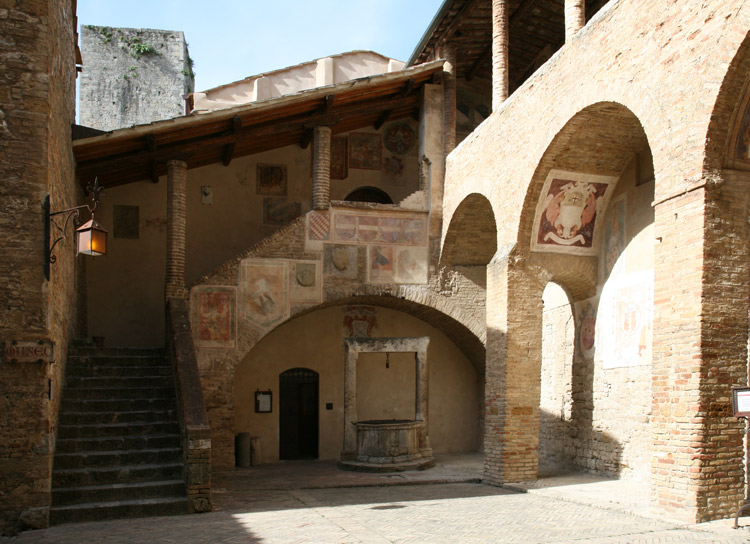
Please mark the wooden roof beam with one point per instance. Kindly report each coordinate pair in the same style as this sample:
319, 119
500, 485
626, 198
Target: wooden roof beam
306, 138
228, 154
382, 119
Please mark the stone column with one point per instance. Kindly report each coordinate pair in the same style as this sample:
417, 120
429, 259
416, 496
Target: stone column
449, 98
575, 17
699, 348
422, 398
513, 366
350, 403
499, 53
176, 219
322, 168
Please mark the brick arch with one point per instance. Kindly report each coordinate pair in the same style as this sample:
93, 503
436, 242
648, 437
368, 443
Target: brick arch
472, 235
726, 113
600, 139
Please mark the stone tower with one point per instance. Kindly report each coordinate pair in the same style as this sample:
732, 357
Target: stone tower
132, 76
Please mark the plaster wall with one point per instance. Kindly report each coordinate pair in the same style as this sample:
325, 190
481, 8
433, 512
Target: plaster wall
126, 288
596, 401
315, 341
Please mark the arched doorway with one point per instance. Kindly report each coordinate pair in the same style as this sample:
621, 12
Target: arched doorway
298, 414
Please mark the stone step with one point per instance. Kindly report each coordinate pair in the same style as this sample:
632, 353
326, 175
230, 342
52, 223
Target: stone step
117, 370
111, 443
91, 511
117, 492
85, 361
118, 429
139, 380
76, 477
117, 405
119, 393
93, 351
117, 458
102, 417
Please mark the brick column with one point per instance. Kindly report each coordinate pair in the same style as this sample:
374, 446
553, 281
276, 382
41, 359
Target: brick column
499, 52
575, 17
176, 218
322, 168
513, 366
449, 98
699, 349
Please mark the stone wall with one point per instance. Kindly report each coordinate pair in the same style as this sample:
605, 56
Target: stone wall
132, 76
36, 111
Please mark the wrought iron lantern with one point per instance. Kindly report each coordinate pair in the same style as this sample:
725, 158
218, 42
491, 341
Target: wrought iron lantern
91, 238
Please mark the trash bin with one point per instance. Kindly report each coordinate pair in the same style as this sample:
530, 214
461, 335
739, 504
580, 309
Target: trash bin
257, 456
242, 451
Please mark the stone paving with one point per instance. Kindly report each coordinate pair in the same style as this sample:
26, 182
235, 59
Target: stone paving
298, 503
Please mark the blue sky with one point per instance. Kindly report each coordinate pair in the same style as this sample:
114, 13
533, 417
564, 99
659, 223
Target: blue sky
233, 39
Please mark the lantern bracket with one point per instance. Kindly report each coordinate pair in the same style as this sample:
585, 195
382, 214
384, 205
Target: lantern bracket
94, 191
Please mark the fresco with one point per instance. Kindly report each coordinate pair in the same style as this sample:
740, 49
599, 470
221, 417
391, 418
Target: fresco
411, 264
305, 282
271, 179
360, 321
279, 211
339, 157
624, 324
399, 138
318, 226
380, 264
585, 312
263, 291
364, 228
565, 220
214, 317
614, 236
340, 261
365, 151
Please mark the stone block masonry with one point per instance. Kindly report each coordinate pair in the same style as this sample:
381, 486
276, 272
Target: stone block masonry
132, 76
36, 110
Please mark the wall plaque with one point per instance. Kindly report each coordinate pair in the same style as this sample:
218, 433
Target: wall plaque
263, 402
29, 351
741, 401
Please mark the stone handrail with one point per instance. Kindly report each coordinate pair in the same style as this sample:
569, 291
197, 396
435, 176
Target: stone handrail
196, 433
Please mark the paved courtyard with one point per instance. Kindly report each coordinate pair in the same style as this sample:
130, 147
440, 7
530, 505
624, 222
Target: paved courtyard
316, 503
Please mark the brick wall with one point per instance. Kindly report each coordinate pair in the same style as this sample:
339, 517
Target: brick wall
36, 110
651, 73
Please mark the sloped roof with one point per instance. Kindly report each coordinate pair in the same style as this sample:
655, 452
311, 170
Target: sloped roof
141, 152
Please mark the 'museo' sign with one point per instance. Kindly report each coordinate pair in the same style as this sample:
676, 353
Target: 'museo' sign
29, 351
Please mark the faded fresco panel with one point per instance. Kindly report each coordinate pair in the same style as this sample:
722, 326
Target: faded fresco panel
399, 138
271, 179
585, 316
339, 157
365, 151
305, 282
318, 226
214, 316
380, 264
624, 325
614, 237
378, 229
411, 265
360, 321
263, 291
565, 220
340, 261
279, 211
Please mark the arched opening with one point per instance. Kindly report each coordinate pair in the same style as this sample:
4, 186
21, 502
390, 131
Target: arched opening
588, 226
471, 239
298, 414
556, 388
369, 194
385, 392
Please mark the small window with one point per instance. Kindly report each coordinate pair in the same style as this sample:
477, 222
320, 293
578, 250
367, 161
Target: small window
369, 194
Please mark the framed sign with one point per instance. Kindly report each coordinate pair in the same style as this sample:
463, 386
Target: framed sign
741, 401
263, 402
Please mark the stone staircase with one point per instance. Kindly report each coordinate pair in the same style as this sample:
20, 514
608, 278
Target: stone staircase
119, 451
